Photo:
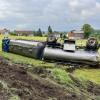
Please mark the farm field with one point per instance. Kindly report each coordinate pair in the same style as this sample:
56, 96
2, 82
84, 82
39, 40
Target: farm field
82, 82
21, 59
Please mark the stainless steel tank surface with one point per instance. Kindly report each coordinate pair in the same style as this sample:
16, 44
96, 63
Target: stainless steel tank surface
78, 55
23, 42
27, 48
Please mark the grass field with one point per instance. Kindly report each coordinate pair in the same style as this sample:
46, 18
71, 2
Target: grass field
88, 74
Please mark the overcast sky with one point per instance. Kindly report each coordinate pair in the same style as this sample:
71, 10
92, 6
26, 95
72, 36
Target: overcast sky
62, 15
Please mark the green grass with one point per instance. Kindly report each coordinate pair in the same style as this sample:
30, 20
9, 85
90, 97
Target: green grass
25, 60
61, 76
27, 38
88, 74
81, 42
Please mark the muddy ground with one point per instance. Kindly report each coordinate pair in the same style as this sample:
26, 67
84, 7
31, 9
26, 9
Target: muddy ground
16, 83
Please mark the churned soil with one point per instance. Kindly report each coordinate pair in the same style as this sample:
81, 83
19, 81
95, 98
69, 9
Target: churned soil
17, 82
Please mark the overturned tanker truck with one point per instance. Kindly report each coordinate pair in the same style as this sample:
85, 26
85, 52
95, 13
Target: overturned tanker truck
51, 50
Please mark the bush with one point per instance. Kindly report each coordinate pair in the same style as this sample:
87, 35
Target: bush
13, 34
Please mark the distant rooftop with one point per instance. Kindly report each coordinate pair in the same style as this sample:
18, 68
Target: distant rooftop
77, 31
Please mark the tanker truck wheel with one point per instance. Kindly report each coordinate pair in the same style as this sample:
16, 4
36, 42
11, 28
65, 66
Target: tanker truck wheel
51, 38
92, 44
51, 41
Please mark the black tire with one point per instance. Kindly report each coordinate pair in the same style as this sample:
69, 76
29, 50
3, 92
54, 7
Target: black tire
51, 38
92, 44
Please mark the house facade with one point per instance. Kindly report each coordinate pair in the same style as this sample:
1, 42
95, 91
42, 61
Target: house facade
76, 34
23, 33
4, 31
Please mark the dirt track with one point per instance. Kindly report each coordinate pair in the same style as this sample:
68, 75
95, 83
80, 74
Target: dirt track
17, 82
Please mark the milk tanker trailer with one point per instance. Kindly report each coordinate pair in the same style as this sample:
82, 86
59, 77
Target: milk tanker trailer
53, 51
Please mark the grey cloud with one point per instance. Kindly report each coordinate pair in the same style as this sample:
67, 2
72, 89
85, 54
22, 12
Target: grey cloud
61, 14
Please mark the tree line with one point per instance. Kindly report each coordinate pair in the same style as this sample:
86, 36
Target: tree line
87, 28
41, 33
89, 31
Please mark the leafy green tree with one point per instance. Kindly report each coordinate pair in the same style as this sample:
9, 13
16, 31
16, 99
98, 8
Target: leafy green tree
96, 35
39, 32
13, 33
88, 30
34, 33
50, 30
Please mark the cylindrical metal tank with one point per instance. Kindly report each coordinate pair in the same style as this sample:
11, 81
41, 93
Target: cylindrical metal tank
27, 48
80, 56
